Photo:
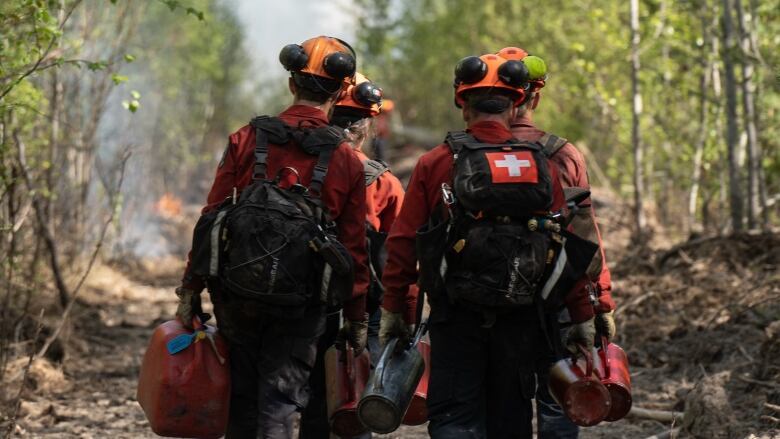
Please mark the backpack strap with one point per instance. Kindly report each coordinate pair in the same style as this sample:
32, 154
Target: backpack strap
551, 144
373, 170
321, 170
261, 148
456, 139
322, 141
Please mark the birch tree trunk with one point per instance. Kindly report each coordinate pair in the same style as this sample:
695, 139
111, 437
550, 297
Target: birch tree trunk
636, 140
701, 141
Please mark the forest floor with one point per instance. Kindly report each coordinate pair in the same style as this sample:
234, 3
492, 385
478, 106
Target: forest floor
700, 322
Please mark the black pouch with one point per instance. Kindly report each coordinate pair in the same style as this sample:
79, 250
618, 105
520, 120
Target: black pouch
571, 265
207, 242
431, 243
338, 274
377, 255
499, 265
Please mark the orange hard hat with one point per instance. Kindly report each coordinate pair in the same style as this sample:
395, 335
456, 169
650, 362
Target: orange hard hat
516, 53
492, 72
364, 95
322, 56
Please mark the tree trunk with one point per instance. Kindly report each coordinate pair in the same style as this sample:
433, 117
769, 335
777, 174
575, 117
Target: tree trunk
750, 53
701, 141
749, 115
732, 136
636, 140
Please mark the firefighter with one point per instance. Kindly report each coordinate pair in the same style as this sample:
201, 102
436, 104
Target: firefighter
477, 348
572, 170
271, 351
354, 112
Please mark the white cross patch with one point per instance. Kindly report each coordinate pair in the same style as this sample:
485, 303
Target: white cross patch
513, 165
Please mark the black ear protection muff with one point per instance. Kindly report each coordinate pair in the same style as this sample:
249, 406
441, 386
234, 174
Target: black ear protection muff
339, 65
513, 73
469, 70
293, 57
367, 94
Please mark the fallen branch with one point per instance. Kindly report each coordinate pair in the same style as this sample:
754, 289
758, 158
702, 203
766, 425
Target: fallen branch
667, 434
773, 407
656, 415
18, 403
771, 419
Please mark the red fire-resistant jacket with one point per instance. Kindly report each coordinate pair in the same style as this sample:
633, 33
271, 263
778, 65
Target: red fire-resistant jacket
383, 199
343, 191
422, 196
573, 172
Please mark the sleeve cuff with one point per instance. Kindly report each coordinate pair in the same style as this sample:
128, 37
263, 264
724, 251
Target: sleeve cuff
578, 303
605, 303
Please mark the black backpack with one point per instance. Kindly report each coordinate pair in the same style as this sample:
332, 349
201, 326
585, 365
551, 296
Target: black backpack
272, 244
492, 242
377, 254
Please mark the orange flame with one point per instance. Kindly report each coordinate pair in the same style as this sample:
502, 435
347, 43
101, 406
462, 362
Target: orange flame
168, 206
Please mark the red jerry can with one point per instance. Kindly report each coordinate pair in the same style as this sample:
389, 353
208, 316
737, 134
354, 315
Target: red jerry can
417, 413
345, 379
578, 391
613, 370
185, 393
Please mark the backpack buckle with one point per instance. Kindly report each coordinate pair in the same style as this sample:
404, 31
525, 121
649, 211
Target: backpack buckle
446, 194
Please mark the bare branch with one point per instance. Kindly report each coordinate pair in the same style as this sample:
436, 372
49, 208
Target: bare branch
92, 259
48, 236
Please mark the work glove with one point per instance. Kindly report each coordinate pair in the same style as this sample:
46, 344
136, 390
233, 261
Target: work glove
189, 306
581, 334
356, 334
392, 325
605, 324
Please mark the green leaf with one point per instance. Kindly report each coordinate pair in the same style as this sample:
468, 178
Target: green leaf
172, 4
197, 13
118, 79
135, 94
131, 106
129, 58
97, 65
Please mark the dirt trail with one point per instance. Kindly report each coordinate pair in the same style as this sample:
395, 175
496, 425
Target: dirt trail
677, 322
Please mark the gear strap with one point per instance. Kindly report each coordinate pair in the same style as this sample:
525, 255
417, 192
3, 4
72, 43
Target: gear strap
551, 144
261, 157
456, 139
321, 170
261, 149
373, 170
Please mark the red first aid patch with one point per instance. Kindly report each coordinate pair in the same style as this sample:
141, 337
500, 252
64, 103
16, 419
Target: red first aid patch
512, 167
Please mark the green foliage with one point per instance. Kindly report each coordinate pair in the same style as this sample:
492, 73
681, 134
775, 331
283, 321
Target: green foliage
410, 47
